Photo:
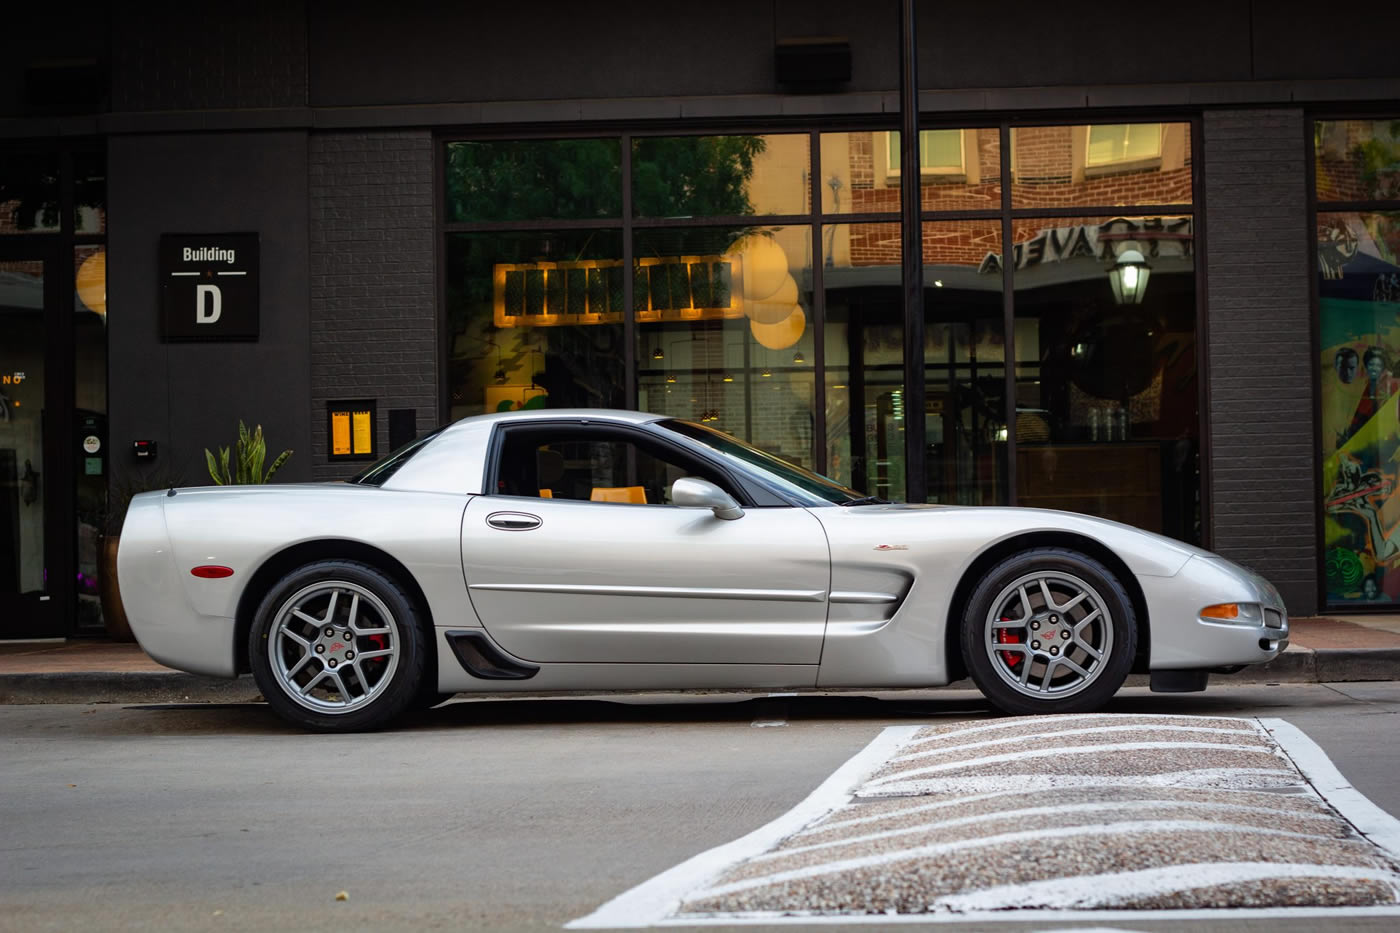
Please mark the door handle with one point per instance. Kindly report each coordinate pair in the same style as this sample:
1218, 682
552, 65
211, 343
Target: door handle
513, 521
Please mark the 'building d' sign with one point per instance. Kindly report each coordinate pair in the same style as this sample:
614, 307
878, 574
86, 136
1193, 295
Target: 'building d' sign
209, 286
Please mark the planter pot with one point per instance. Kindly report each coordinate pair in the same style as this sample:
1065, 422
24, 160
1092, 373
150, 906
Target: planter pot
113, 615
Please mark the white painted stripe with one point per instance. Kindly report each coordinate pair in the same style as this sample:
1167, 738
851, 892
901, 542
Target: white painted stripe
1190, 780
947, 848
1095, 730
1370, 820
650, 902
233, 273
960, 801
1001, 815
1065, 751
1226, 915
1072, 718
1111, 889
184, 273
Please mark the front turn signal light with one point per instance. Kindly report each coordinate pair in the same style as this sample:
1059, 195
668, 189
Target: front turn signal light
1238, 613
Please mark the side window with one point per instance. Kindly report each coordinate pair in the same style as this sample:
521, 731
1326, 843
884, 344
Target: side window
593, 465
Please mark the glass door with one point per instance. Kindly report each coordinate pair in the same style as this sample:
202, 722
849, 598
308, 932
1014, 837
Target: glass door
28, 603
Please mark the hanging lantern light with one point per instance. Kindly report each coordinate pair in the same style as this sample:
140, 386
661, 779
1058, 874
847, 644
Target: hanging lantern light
798, 358
784, 333
1128, 276
92, 282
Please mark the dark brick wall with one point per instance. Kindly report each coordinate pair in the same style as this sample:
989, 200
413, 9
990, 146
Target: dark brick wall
1263, 485
173, 55
373, 318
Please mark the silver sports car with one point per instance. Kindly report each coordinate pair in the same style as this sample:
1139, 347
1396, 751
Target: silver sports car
561, 550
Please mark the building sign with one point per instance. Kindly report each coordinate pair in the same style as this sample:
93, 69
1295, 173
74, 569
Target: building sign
350, 430
1155, 237
674, 288
209, 286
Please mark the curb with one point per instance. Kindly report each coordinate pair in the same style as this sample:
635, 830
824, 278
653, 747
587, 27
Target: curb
124, 687
1295, 665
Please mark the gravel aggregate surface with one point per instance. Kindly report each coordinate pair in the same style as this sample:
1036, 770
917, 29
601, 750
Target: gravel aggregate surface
1125, 816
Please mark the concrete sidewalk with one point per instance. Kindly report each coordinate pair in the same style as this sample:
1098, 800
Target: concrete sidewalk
1322, 650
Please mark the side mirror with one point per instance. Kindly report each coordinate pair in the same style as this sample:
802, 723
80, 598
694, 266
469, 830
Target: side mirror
691, 492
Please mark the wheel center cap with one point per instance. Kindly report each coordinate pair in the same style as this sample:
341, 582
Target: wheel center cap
335, 648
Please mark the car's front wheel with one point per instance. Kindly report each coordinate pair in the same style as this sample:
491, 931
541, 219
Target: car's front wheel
1049, 630
338, 646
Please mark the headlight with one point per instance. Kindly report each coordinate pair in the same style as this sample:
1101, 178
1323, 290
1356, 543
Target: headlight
1234, 613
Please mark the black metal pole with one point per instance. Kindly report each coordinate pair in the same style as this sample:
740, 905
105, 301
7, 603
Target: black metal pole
916, 482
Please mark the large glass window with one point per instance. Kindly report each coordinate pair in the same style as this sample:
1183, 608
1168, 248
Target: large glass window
534, 320
763, 297
1110, 165
1358, 286
1106, 403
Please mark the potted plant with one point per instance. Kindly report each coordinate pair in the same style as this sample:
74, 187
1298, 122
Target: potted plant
248, 465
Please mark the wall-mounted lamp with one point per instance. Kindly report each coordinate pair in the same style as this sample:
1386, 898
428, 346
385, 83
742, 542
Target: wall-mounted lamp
1128, 276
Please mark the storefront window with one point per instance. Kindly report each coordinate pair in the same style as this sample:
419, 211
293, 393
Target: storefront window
1107, 418
534, 320
29, 192
720, 176
964, 362
865, 410
542, 179
723, 332
959, 170
1357, 160
1119, 164
1358, 263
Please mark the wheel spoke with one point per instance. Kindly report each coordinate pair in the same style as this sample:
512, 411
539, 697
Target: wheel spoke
1074, 667
370, 655
1026, 669
293, 636
1049, 670
340, 682
306, 688
360, 674
1073, 602
1079, 626
351, 619
1045, 592
1025, 604
330, 608
306, 618
295, 669
1089, 649
1009, 623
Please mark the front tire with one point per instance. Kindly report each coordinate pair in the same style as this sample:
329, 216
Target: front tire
338, 646
1049, 630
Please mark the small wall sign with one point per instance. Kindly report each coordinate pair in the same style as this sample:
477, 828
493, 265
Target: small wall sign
350, 430
209, 286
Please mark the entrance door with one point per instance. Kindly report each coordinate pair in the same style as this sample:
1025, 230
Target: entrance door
31, 480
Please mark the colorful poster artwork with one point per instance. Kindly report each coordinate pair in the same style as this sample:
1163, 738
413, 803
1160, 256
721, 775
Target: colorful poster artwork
1359, 321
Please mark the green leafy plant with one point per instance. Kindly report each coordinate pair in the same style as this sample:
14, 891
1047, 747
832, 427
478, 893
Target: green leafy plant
248, 464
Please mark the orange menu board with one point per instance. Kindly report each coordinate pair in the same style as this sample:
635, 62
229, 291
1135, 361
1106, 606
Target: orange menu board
340, 434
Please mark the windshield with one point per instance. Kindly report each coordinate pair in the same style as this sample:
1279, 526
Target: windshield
808, 487
378, 473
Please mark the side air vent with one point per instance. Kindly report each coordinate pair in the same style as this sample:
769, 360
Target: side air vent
482, 659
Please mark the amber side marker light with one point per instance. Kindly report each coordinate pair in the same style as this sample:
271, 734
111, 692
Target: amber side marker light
1230, 611
212, 572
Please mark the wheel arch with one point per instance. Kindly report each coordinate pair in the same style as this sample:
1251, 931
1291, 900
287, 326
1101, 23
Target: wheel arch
290, 558
952, 631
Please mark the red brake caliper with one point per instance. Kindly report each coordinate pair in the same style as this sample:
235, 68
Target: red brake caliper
1006, 637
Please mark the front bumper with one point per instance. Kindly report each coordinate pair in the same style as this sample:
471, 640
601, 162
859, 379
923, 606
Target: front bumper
1181, 639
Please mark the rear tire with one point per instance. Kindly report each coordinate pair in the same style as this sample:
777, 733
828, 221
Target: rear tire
338, 646
1049, 630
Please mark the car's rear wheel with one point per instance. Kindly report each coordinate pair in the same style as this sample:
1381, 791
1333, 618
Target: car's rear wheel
338, 646
1049, 630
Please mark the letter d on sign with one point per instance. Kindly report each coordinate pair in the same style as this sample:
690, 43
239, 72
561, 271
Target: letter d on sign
215, 306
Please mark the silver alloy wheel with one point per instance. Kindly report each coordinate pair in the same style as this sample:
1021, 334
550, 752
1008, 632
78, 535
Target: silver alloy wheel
1049, 634
333, 647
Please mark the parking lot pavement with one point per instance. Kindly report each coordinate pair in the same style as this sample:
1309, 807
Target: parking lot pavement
1159, 815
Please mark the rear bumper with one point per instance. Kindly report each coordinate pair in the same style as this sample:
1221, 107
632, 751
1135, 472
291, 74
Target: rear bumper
166, 625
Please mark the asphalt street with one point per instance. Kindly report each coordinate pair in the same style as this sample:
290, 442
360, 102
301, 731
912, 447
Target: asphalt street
498, 814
